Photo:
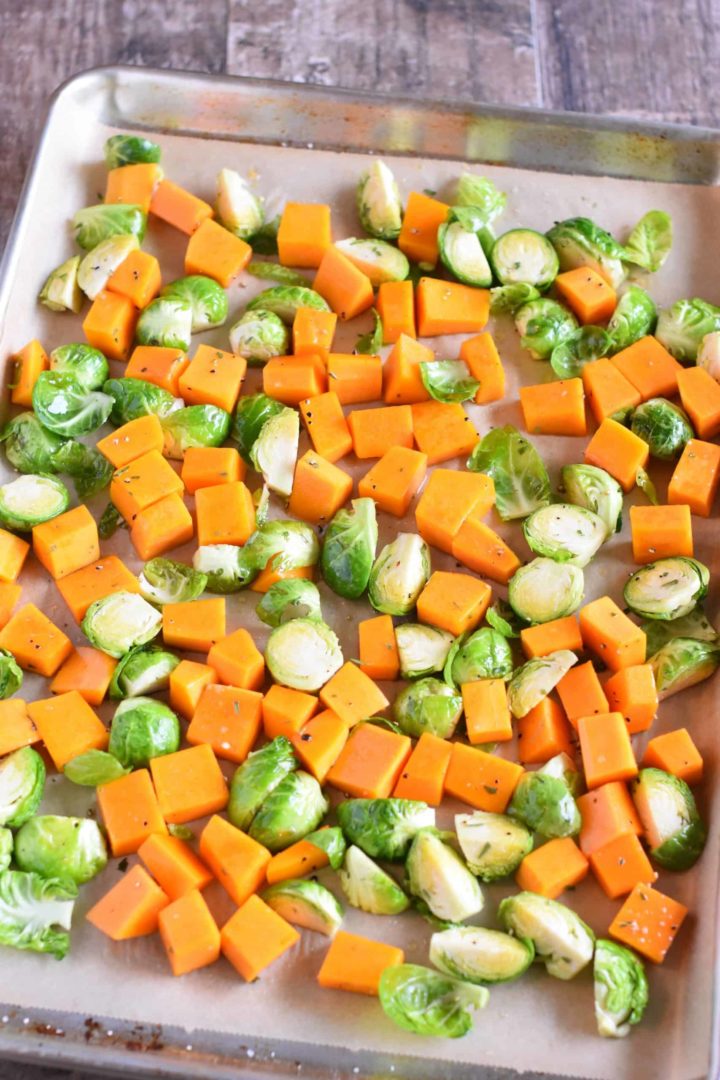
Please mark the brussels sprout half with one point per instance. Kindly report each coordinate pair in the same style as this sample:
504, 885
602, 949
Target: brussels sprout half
695, 625
384, 828
258, 336
11, 676
116, 623
238, 208
94, 224
420, 1000
36, 912
164, 581
485, 654
620, 988
224, 567
130, 150
303, 654
284, 301
428, 705
66, 848
133, 398
377, 259
673, 828
633, 318
562, 767
481, 194
399, 574
494, 845
142, 729
6, 848
378, 202
250, 417
368, 887
506, 299
570, 356
22, 782
681, 663
461, 252
291, 810
563, 942
61, 291
422, 649
595, 490
545, 805
516, 469
348, 549
580, 242
479, 955
682, 327
668, 588
448, 380
650, 241
102, 261
259, 774
438, 876
293, 598
146, 669
207, 299
543, 325
166, 322
536, 678
523, 256
91, 472
565, 533
281, 544
544, 590
30, 447
30, 500
65, 406
305, 903
663, 426
274, 451
194, 426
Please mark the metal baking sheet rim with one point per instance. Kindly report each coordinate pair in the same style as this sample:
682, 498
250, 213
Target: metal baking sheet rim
119, 1048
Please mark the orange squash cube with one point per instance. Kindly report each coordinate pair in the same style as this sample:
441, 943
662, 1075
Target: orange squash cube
454, 602
582, 693
304, 234
174, 865
158, 365
394, 480
370, 763
482, 358
553, 867
313, 332
194, 625
110, 324
347, 290
319, 489
189, 784
213, 377
100, 578
355, 379
13, 553
143, 482
587, 294
318, 745
217, 253
487, 715
225, 514
482, 550
374, 431
447, 307
648, 922
326, 425
542, 733
130, 811
700, 397
402, 381
35, 642
292, 379
237, 861
448, 498
161, 527
632, 692
189, 933
608, 392
179, 208
611, 635
206, 466
377, 648
286, 711
696, 478
556, 408
442, 431
352, 695
130, 908
17, 729
423, 775
137, 278
622, 864
254, 937
550, 636
618, 451
28, 363
607, 754
607, 812
418, 235
187, 682
483, 781
356, 963
676, 753
67, 542
649, 367
396, 308
227, 718
132, 440
89, 671
237, 660
660, 531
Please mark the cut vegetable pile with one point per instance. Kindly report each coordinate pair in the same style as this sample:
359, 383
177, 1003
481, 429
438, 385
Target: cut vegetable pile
288, 775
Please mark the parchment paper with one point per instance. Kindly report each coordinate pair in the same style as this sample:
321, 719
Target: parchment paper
539, 1023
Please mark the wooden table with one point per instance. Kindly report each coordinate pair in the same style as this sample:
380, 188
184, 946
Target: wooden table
645, 58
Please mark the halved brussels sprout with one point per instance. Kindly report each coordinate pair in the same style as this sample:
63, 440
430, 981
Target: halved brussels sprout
368, 887
673, 828
250, 417
224, 567
238, 208
102, 261
516, 469
94, 224
11, 676
66, 848
133, 398
479, 955
508, 298
130, 150
570, 356
377, 259
164, 581
378, 202
22, 782
274, 451
565, 533
166, 322
61, 291
384, 828
481, 194
493, 844
439, 877
536, 679
708, 356
30, 500
682, 327
523, 256
681, 663
90, 470
194, 426
284, 301
544, 590
305, 903
6, 848
293, 598
294, 808
620, 987
448, 380
303, 654
545, 805
428, 705
30, 447
207, 299
144, 670
543, 325
595, 490
94, 767
399, 574
667, 589
484, 655
663, 426
650, 241
330, 840
420, 1000
503, 619
259, 774
281, 545
348, 549
142, 729
35, 913
258, 336
461, 251
562, 767
64, 405
633, 318
694, 625
580, 242
563, 942
422, 649
116, 623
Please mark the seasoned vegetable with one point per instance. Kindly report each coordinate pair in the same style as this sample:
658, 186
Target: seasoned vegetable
439, 877
545, 805
30, 447
118, 622
11, 676
368, 887
494, 845
378, 202
167, 322
508, 298
61, 291
303, 654
305, 903
146, 669
543, 325
22, 782
634, 317
535, 679
384, 828
620, 987
348, 549
419, 1000
164, 581
544, 589
565, 533
563, 942
650, 241
482, 195
258, 775
484, 655
294, 598
683, 662
461, 251
663, 426
238, 208
130, 150
6, 848
422, 649
274, 451
208, 301
102, 261
399, 574
284, 301
258, 336
133, 398
522, 256
516, 469
195, 425
65, 406
225, 568
682, 327
377, 259
667, 589
29, 500
96, 223
670, 818
428, 705
694, 625
35, 912
250, 417
562, 767
479, 955
292, 809
448, 380
141, 729
594, 490
281, 545
90, 470
580, 242
569, 357
65, 848
708, 356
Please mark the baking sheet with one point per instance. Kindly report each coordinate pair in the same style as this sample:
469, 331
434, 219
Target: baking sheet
131, 981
